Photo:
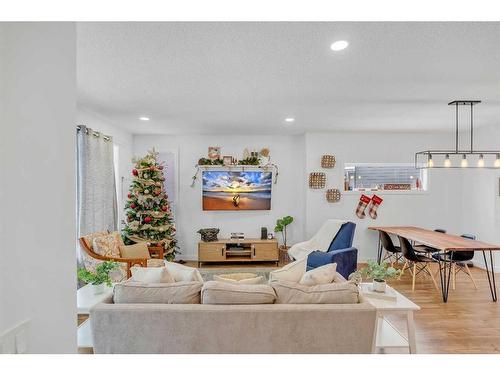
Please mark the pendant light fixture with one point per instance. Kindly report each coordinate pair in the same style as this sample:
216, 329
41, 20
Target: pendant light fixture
434, 158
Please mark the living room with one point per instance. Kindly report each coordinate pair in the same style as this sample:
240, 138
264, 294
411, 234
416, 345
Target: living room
273, 187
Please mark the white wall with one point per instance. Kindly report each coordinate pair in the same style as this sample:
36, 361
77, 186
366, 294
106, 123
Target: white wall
37, 183
438, 207
122, 138
480, 199
287, 199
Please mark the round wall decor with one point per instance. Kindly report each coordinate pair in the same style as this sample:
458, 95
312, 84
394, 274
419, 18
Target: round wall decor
333, 195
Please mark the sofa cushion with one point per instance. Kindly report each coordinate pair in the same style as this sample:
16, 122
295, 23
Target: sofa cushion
334, 293
136, 251
151, 275
184, 292
183, 273
321, 275
224, 293
240, 278
291, 272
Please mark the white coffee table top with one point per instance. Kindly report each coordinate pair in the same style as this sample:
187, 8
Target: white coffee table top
86, 298
401, 304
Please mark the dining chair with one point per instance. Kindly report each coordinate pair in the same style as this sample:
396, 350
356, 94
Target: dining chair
392, 252
458, 261
417, 263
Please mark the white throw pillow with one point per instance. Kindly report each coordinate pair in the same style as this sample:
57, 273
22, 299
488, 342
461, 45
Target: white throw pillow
334, 293
320, 275
240, 278
291, 272
224, 293
183, 273
151, 275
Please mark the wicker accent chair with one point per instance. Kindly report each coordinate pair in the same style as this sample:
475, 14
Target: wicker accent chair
156, 252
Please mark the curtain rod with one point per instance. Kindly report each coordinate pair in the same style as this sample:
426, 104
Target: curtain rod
93, 132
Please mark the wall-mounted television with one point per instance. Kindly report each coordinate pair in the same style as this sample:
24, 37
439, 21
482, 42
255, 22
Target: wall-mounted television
236, 190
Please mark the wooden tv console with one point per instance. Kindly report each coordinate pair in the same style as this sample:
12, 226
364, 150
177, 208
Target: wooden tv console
238, 250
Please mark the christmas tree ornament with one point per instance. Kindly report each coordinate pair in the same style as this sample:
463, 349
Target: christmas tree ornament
374, 205
363, 202
147, 219
135, 172
129, 195
146, 191
132, 205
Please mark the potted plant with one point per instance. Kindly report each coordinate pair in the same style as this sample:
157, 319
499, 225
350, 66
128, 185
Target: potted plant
281, 225
380, 273
98, 278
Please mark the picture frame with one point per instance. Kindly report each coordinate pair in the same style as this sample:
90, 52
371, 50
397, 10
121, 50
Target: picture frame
227, 160
214, 152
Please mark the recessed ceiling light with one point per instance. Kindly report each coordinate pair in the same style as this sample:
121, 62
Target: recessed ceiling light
289, 119
144, 118
339, 45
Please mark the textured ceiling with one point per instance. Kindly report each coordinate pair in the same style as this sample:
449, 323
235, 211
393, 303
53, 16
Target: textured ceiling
247, 77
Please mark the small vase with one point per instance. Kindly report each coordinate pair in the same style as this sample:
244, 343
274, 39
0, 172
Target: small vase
379, 285
98, 288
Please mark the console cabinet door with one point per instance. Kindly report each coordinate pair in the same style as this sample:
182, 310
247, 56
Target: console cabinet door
264, 252
211, 252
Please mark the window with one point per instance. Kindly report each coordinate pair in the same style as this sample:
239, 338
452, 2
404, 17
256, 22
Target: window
363, 176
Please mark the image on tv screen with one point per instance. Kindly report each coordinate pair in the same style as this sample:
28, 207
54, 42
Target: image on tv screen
223, 190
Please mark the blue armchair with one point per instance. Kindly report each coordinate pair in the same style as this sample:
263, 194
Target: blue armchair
340, 252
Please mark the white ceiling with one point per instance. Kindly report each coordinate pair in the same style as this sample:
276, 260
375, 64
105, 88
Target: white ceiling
248, 77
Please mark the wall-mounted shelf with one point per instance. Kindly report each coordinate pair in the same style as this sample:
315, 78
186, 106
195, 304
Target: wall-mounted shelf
235, 167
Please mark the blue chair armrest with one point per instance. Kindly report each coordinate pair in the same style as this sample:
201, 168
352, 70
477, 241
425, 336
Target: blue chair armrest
346, 259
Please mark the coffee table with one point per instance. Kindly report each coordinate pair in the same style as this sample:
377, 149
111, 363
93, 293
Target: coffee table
386, 334
85, 300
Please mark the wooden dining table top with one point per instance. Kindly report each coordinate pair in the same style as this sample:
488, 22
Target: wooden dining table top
437, 240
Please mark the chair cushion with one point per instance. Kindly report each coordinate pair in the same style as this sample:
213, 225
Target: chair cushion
151, 275
138, 250
240, 278
291, 272
184, 292
333, 293
320, 275
108, 245
224, 293
89, 238
183, 273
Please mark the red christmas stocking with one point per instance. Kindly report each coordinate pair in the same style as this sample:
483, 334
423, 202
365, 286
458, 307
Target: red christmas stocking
376, 201
363, 202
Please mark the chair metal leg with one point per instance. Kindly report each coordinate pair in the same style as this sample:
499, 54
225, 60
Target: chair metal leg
467, 271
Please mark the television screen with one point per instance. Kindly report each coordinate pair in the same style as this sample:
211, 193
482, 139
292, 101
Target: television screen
223, 190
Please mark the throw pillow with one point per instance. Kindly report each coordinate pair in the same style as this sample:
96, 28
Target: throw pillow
89, 238
151, 275
333, 293
108, 245
240, 278
186, 292
224, 293
291, 272
138, 250
320, 275
183, 273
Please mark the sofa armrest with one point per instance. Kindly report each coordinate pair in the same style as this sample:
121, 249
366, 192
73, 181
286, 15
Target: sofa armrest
346, 260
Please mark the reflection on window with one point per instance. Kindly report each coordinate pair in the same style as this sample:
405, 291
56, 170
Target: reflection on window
376, 177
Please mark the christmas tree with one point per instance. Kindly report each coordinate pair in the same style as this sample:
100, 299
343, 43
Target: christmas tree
149, 217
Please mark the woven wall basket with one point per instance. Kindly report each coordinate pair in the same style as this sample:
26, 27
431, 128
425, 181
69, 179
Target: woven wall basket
328, 161
317, 180
333, 195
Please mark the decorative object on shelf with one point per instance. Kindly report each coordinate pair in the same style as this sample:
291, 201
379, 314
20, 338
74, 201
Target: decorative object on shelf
263, 233
270, 236
266, 153
208, 234
379, 273
216, 165
360, 209
281, 225
317, 180
284, 258
214, 152
333, 195
237, 236
399, 186
227, 160
246, 153
148, 212
481, 159
252, 160
374, 205
100, 277
328, 161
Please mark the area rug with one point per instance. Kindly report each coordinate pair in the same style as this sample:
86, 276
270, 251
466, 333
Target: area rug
208, 273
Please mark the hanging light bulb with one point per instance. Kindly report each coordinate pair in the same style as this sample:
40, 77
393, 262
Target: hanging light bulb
447, 161
480, 162
497, 161
430, 163
464, 163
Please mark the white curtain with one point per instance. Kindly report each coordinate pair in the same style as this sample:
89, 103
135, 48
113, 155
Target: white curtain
96, 191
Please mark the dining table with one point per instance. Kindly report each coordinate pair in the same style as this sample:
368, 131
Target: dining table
448, 244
